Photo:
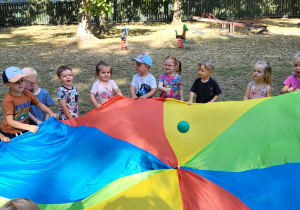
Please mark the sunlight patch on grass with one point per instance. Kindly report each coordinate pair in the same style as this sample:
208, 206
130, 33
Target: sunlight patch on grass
121, 81
45, 48
285, 31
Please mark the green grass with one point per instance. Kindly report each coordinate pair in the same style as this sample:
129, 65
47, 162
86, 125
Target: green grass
45, 48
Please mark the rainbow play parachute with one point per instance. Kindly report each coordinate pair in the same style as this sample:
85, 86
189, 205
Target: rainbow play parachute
130, 154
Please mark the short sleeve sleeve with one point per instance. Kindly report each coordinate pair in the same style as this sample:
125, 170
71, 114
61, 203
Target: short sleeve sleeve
114, 84
61, 94
180, 80
161, 78
288, 81
217, 89
193, 88
77, 91
153, 82
94, 88
49, 100
133, 80
7, 107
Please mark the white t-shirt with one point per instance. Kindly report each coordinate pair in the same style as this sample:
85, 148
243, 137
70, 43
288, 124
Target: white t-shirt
103, 93
143, 85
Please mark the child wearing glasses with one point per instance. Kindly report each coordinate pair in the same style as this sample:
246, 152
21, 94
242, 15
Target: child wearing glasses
170, 83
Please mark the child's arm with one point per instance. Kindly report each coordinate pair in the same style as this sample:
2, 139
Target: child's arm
190, 102
180, 89
4, 138
162, 88
269, 91
13, 123
46, 109
287, 89
247, 93
64, 108
214, 98
118, 92
132, 92
94, 101
34, 119
47, 115
150, 94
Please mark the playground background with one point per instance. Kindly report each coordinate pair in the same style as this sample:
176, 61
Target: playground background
45, 48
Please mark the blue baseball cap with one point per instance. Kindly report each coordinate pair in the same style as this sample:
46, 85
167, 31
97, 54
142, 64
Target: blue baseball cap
12, 74
143, 58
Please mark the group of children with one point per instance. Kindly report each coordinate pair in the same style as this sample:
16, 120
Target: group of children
26, 105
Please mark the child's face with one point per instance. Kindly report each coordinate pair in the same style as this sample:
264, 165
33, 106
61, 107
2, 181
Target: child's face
297, 66
16, 87
104, 73
169, 66
203, 72
141, 67
258, 72
66, 78
30, 81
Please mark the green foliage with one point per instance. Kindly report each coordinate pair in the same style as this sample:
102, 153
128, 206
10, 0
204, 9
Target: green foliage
97, 7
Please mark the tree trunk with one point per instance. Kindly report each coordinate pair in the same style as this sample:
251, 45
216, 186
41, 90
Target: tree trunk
176, 14
84, 31
101, 24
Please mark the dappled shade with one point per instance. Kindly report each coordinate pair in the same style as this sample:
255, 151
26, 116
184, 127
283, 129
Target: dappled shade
130, 154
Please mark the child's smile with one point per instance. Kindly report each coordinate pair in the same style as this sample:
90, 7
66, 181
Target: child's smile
203, 72
169, 67
66, 78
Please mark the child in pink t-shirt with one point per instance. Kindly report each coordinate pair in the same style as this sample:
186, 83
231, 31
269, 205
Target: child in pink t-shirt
102, 89
292, 83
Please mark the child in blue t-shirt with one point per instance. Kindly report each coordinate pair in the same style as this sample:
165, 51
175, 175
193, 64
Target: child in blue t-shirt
16, 104
36, 116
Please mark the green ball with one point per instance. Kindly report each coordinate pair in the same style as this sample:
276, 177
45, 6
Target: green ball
183, 127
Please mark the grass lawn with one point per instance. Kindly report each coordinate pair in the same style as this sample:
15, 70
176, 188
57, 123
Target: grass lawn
45, 48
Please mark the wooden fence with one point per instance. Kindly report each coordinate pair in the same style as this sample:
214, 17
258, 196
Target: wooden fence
66, 12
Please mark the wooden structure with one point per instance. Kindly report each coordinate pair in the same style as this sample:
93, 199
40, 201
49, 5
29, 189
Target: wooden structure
212, 19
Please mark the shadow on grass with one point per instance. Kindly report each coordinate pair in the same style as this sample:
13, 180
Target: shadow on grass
16, 40
70, 34
281, 23
234, 56
113, 29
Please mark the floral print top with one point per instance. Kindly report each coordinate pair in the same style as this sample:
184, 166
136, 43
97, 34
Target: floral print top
71, 97
172, 82
258, 93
